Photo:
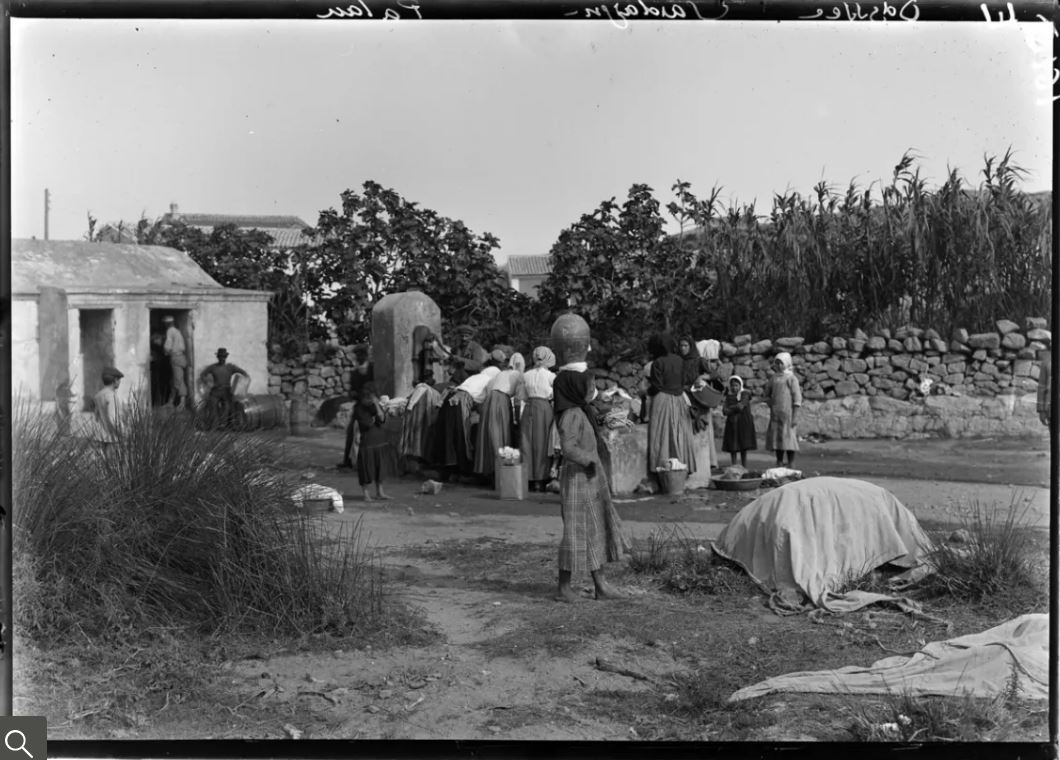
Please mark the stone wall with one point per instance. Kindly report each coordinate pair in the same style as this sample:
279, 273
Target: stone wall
858, 386
884, 364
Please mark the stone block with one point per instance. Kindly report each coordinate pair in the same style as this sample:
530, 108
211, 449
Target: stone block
761, 347
985, 340
854, 365
839, 344
742, 340
931, 334
884, 332
727, 349
300, 387
856, 345
959, 347
836, 374
286, 388
821, 347
316, 393
901, 360
813, 394
979, 354
1013, 341
1022, 368
1035, 323
860, 378
327, 372
937, 344
1006, 326
399, 321
883, 383
831, 364
895, 345
933, 361
315, 381
1040, 334
876, 343
743, 371
918, 365
744, 350
960, 335
846, 388
956, 367
859, 334
954, 379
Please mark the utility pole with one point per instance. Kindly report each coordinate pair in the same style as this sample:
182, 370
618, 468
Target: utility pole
47, 205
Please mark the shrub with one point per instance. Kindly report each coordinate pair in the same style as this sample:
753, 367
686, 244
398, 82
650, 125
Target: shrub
683, 565
173, 526
994, 563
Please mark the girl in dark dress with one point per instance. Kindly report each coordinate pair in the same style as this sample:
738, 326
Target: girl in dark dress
739, 437
376, 459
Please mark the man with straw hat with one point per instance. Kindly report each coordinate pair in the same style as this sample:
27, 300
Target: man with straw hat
467, 356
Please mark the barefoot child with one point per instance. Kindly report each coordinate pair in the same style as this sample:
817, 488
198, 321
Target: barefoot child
375, 456
785, 397
739, 436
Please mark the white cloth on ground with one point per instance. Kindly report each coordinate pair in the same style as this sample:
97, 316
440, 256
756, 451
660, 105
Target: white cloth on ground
315, 491
978, 665
815, 535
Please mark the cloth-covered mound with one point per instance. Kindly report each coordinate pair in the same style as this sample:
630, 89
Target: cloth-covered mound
977, 665
809, 537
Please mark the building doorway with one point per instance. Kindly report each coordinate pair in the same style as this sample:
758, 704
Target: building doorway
97, 351
162, 380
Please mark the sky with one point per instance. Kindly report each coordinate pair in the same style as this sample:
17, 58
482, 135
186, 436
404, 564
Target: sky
515, 127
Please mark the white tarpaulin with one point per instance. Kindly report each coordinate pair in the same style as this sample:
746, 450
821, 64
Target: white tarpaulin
812, 536
978, 665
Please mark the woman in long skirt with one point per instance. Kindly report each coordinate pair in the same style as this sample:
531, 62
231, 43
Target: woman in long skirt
495, 416
376, 460
670, 424
536, 423
455, 452
417, 426
784, 397
592, 529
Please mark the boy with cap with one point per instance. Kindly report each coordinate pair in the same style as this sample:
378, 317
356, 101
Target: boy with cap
178, 360
106, 408
219, 401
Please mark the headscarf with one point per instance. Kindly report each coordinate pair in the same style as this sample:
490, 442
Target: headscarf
543, 357
785, 359
572, 389
693, 349
738, 379
517, 362
709, 349
498, 356
661, 344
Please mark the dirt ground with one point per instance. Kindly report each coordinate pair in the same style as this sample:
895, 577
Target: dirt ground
507, 662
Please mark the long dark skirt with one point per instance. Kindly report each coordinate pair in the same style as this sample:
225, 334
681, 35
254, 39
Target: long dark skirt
453, 433
494, 430
536, 443
376, 464
670, 432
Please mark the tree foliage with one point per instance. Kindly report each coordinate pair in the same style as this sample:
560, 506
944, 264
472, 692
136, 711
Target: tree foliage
380, 243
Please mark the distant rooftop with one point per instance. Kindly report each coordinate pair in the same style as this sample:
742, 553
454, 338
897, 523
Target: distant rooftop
285, 229
528, 266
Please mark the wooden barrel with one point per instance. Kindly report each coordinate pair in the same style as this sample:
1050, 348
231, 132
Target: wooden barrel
299, 416
259, 412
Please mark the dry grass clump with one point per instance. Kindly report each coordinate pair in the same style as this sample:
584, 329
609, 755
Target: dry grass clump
174, 527
995, 563
683, 564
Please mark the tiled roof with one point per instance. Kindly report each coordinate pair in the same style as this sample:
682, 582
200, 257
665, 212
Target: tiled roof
80, 266
240, 220
282, 237
525, 266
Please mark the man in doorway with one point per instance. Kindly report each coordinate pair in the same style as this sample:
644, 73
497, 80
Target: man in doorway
106, 409
363, 373
219, 400
178, 361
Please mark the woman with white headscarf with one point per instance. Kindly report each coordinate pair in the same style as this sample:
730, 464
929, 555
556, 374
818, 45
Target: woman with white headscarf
535, 425
784, 397
495, 416
455, 449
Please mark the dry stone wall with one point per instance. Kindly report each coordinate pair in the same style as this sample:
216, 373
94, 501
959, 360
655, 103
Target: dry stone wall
857, 386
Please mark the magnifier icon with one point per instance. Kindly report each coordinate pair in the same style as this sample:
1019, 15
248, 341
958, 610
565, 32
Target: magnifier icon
18, 747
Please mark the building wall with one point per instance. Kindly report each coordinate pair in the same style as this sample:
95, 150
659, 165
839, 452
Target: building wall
25, 357
239, 325
242, 328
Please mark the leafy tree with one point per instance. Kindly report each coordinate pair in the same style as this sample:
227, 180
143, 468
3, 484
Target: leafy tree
380, 243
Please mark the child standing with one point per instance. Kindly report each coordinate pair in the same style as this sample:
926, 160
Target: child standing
739, 436
784, 397
375, 456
